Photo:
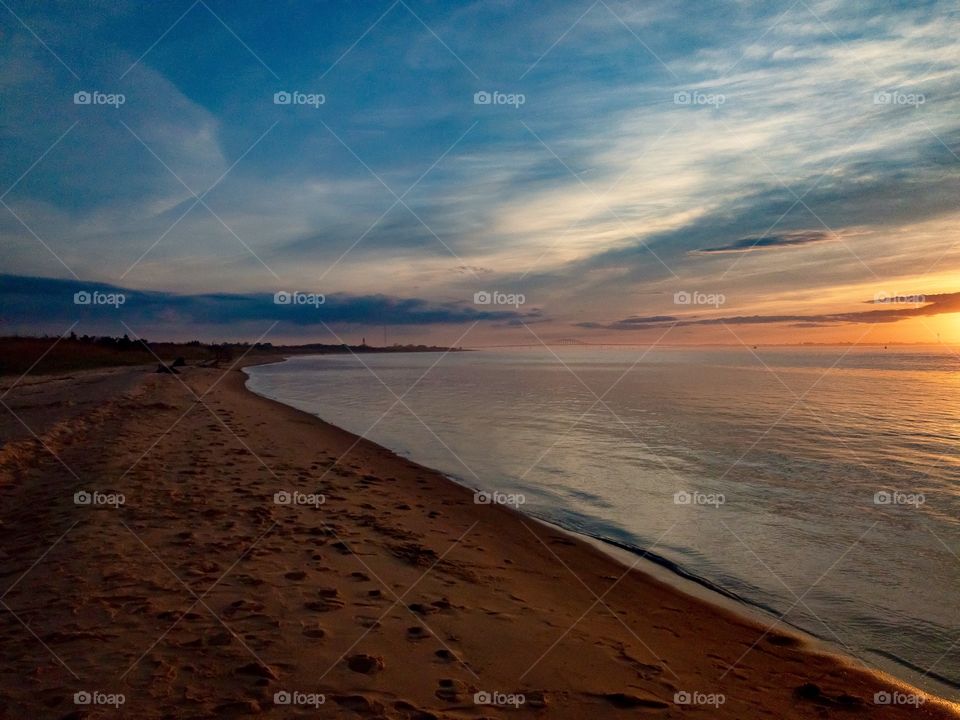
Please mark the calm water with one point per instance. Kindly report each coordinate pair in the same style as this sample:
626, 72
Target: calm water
798, 443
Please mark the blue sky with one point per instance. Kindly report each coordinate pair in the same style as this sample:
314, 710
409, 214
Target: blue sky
795, 158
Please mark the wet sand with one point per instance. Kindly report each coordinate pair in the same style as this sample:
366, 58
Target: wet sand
383, 590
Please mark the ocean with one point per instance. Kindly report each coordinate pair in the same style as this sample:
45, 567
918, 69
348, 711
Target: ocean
820, 484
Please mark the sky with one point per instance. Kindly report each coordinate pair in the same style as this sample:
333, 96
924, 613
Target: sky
476, 173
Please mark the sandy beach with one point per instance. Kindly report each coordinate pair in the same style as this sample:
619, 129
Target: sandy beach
174, 546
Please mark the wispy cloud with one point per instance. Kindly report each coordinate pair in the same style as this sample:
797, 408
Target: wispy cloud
769, 242
895, 309
47, 304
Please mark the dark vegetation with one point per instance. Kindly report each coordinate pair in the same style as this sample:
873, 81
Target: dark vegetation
52, 355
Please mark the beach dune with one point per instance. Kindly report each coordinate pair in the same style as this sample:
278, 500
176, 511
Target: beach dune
174, 546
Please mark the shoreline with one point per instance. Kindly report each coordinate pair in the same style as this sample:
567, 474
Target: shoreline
676, 575
396, 597
661, 569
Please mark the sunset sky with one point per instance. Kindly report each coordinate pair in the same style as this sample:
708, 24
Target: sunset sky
791, 168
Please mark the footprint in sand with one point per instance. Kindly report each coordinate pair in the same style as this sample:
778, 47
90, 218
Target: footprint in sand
248, 608
249, 580
626, 701
813, 693
452, 690
329, 600
783, 640
177, 615
417, 633
365, 664
361, 705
